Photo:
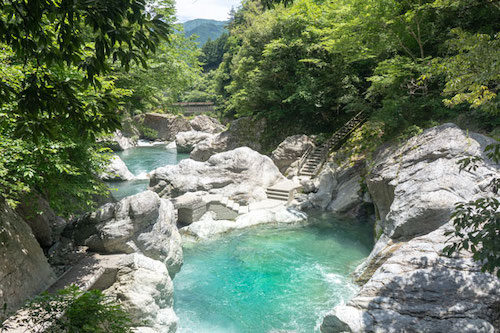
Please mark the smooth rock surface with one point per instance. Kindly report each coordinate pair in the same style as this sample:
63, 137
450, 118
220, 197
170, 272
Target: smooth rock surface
203, 123
241, 174
142, 223
116, 171
241, 132
119, 141
290, 150
185, 141
416, 186
409, 285
166, 126
24, 270
338, 190
144, 289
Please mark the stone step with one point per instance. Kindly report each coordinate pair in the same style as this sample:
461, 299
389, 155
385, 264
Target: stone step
243, 210
275, 197
273, 189
277, 192
224, 200
236, 207
229, 203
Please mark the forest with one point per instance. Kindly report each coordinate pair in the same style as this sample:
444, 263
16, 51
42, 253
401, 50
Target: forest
305, 66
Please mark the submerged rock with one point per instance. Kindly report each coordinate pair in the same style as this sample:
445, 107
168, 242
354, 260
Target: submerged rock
185, 141
409, 285
290, 151
241, 174
116, 170
24, 270
142, 223
208, 227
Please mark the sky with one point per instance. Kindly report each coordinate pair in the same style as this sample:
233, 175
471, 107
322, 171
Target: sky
208, 9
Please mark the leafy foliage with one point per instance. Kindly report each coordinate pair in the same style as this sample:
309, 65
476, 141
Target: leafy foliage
71, 310
477, 223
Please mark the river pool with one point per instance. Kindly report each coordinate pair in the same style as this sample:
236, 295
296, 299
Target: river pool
141, 160
269, 279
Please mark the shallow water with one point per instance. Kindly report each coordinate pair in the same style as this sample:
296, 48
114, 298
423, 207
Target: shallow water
140, 161
269, 279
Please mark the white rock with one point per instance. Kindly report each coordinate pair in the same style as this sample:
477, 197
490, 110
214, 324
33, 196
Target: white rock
144, 289
242, 132
290, 150
203, 123
409, 284
241, 174
142, 223
116, 170
207, 227
24, 270
185, 141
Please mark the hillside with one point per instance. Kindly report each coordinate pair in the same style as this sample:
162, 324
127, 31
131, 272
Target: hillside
204, 28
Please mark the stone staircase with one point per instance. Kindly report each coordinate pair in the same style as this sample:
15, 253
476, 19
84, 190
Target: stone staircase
314, 158
234, 206
282, 191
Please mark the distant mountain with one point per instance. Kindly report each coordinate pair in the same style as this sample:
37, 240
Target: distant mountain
205, 29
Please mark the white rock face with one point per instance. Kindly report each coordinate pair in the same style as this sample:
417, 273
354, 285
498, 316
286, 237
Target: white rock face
409, 285
185, 141
338, 190
206, 124
144, 289
207, 227
290, 150
116, 170
24, 270
241, 174
416, 186
142, 223
165, 126
241, 132
119, 142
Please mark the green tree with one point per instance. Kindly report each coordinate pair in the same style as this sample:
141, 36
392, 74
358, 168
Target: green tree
55, 96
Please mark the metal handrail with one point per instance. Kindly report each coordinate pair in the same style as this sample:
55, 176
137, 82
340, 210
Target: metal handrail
357, 120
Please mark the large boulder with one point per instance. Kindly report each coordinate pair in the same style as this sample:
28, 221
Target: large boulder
241, 174
118, 141
24, 270
290, 151
337, 190
144, 289
203, 123
43, 221
409, 284
185, 141
161, 126
415, 187
242, 132
116, 170
142, 223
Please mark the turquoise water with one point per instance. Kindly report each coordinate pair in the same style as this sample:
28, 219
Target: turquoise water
140, 161
269, 279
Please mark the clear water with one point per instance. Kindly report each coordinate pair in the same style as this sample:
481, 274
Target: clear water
140, 161
269, 279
